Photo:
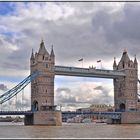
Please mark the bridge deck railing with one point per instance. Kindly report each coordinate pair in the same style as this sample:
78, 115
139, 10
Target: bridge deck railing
65, 69
113, 115
16, 112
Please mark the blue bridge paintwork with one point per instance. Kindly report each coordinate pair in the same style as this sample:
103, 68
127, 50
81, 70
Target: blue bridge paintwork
16, 112
113, 115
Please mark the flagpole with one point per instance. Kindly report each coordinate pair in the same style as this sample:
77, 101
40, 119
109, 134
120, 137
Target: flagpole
82, 61
101, 64
99, 61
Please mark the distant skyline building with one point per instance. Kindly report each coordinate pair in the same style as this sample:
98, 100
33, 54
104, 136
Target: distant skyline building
97, 108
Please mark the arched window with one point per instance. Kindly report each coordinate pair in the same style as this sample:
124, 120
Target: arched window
129, 65
122, 107
35, 106
123, 64
46, 65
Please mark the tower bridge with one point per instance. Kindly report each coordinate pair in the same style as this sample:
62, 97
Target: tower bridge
43, 71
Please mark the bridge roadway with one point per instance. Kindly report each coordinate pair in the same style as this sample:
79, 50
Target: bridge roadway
16, 112
113, 115
88, 72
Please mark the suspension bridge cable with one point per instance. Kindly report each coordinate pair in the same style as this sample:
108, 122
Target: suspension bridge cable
9, 105
16, 102
138, 90
14, 91
23, 98
1, 107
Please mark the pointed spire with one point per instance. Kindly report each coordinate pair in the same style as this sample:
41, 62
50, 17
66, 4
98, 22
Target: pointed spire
125, 58
125, 51
135, 60
114, 64
42, 49
52, 52
32, 55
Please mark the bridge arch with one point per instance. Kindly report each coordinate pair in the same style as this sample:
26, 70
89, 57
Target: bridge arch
35, 105
122, 107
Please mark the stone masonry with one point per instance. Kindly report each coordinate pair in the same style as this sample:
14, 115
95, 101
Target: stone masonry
42, 88
125, 88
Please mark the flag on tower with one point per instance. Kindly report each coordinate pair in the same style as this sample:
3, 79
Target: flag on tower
98, 61
80, 59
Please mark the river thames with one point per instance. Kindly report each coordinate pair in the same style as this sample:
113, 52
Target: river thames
70, 130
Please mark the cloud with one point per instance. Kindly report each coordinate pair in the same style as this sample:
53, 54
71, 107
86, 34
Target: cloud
89, 30
98, 88
21, 101
3, 87
119, 29
61, 22
80, 96
64, 95
17, 103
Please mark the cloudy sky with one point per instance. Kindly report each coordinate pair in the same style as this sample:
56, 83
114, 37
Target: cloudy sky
89, 30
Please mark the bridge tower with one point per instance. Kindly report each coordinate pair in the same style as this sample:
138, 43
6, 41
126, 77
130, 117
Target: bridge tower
125, 88
42, 88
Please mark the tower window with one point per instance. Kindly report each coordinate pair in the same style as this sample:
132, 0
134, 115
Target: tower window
123, 64
46, 65
43, 57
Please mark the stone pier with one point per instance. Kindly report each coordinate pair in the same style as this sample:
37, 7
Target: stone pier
49, 118
130, 118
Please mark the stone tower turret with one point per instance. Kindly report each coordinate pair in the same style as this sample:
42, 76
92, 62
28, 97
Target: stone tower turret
52, 53
125, 88
135, 62
32, 59
52, 57
114, 64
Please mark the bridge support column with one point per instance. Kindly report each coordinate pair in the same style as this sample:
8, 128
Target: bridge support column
130, 117
42, 88
28, 120
113, 121
50, 118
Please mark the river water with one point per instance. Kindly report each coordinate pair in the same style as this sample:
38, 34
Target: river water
70, 130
